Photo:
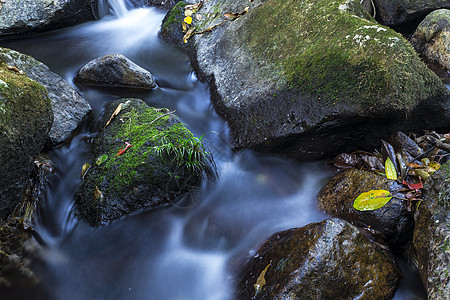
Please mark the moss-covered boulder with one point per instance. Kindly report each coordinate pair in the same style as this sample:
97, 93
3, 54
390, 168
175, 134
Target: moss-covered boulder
432, 235
25, 120
30, 16
395, 12
69, 108
327, 260
432, 38
308, 78
115, 70
393, 220
144, 158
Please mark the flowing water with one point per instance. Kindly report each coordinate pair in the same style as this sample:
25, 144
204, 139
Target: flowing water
188, 252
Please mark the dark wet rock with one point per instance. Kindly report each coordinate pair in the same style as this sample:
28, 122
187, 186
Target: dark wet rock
327, 260
393, 220
326, 79
31, 16
432, 235
432, 38
69, 108
142, 177
395, 12
25, 120
115, 70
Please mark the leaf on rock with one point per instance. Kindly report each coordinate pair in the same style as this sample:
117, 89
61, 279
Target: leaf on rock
388, 151
372, 200
435, 165
261, 281
15, 69
84, 169
188, 34
188, 13
98, 195
122, 151
188, 20
422, 173
101, 159
389, 167
115, 113
413, 186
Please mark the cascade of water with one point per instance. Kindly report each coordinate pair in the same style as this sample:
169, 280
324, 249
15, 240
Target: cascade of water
115, 7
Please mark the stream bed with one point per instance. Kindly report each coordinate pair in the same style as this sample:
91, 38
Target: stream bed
190, 250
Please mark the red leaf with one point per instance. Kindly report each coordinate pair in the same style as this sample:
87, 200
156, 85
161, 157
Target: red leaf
122, 151
413, 186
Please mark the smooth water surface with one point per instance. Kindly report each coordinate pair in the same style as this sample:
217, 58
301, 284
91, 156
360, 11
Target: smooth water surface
191, 250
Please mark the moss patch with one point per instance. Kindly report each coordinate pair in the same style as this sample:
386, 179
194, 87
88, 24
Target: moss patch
336, 51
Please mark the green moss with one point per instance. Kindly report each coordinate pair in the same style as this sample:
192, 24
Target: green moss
145, 129
336, 51
175, 16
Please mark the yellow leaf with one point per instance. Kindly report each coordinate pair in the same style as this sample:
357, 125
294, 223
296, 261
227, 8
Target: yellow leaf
422, 174
435, 165
98, 194
184, 25
84, 169
261, 281
372, 200
188, 20
391, 173
188, 34
115, 113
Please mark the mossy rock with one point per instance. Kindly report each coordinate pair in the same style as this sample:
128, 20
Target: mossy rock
432, 38
432, 235
164, 162
327, 260
307, 79
25, 120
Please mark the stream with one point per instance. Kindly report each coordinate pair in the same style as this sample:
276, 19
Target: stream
188, 251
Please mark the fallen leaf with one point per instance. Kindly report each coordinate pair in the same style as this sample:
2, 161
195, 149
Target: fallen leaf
122, 151
388, 151
435, 165
98, 194
413, 186
12, 68
261, 281
184, 25
115, 113
199, 17
372, 200
188, 34
422, 174
101, 159
84, 169
389, 167
188, 13
188, 20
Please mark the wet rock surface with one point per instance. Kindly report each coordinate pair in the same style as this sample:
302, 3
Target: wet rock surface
432, 38
115, 70
68, 107
124, 181
31, 16
393, 220
394, 12
25, 120
319, 102
327, 260
432, 235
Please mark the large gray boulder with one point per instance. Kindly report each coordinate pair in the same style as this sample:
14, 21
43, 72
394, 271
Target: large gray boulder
393, 220
69, 108
115, 70
432, 38
309, 78
31, 16
327, 260
144, 158
395, 12
25, 120
432, 235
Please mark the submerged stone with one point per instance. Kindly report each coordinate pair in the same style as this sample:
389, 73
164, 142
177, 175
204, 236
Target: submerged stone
25, 120
115, 70
393, 220
327, 260
68, 107
308, 79
432, 235
144, 158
